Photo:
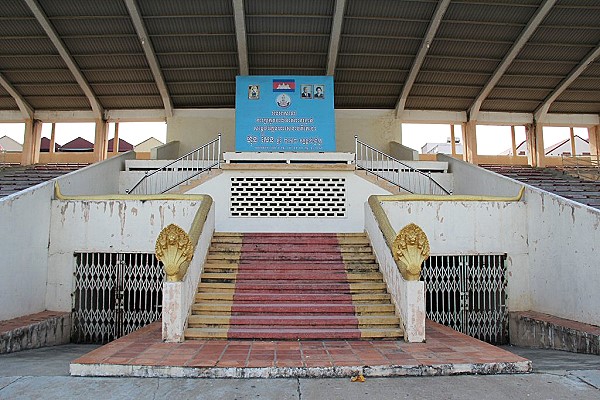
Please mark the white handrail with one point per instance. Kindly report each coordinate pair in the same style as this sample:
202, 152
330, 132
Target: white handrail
197, 161
395, 171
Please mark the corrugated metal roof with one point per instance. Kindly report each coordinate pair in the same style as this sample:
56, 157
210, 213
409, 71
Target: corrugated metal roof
196, 49
8, 103
296, 7
59, 102
575, 108
285, 24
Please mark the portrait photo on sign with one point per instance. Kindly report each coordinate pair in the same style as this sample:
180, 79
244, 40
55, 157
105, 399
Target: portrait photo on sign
319, 92
253, 92
306, 91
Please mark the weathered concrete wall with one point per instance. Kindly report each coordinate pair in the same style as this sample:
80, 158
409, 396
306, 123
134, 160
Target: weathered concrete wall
178, 297
24, 234
473, 227
357, 192
564, 241
401, 152
472, 180
531, 329
104, 226
50, 331
193, 128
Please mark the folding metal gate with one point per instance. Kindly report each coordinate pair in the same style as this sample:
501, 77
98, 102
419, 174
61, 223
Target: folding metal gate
115, 294
468, 294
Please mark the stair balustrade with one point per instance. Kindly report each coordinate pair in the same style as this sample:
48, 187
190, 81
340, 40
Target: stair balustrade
186, 167
395, 171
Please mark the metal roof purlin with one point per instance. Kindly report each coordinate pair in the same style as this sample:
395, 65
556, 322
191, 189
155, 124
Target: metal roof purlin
140, 28
43, 20
23, 105
418, 62
336, 32
530, 28
240, 34
542, 110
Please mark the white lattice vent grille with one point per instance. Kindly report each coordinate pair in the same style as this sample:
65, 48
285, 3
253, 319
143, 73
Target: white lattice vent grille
288, 197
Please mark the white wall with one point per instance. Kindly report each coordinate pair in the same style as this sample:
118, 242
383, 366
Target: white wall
472, 227
24, 234
104, 226
564, 248
358, 191
193, 128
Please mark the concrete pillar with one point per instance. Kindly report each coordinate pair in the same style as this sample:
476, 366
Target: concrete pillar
101, 140
116, 140
535, 145
52, 138
513, 137
470, 141
452, 140
31, 142
594, 135
573, 148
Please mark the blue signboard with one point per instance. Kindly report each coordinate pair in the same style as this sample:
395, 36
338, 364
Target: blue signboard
284, 113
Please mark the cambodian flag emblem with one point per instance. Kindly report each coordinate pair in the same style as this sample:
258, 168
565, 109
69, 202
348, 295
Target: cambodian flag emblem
284, 85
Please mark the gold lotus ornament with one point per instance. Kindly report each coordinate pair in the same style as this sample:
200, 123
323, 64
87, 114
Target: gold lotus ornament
410, 249
174, 248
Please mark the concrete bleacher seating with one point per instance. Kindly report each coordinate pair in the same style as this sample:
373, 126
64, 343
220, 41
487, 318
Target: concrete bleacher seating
13, 179
554, 181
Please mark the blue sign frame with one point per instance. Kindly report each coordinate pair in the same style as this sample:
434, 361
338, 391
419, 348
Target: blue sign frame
284, 113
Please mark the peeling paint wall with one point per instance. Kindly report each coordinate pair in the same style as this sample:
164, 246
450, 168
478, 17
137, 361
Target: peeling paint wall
24, 234
105, 226
564, 248
473, 227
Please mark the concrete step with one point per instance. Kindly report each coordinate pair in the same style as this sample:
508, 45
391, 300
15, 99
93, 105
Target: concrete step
287, 267
291, 276
369, 321
293, 297
290, 334
293, 308
295, 287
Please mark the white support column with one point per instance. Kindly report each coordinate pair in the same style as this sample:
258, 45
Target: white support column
52, 139
573, 148
101, 140
115, 149
535, 145
452, 140
470, 142
513, 138
31, 142
594, 137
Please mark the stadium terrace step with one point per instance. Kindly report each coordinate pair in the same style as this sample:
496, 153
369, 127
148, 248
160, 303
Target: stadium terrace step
292, 286
554, 181
15, 179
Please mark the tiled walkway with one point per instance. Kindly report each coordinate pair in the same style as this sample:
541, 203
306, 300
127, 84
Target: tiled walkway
446, 352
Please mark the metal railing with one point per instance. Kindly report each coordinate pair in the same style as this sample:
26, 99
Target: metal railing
175, 173
395, 171
585, 167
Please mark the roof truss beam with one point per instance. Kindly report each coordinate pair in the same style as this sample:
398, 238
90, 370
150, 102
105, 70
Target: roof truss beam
23, 105
140, 28
532, 25
43, 20
418, 62
541, 112
336, 33
239, 17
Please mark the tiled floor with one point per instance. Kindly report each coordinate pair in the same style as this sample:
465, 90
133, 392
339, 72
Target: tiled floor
446, 352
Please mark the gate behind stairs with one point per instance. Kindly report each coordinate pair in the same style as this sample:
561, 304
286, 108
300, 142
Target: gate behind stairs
115, 294
468, 294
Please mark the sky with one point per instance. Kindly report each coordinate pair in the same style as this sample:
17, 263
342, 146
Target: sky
491, 140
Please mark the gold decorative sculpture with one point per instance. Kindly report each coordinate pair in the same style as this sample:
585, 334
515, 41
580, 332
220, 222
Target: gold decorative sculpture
410, 249
174, 248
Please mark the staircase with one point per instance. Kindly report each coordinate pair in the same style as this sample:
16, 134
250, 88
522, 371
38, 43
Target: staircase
292, 286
